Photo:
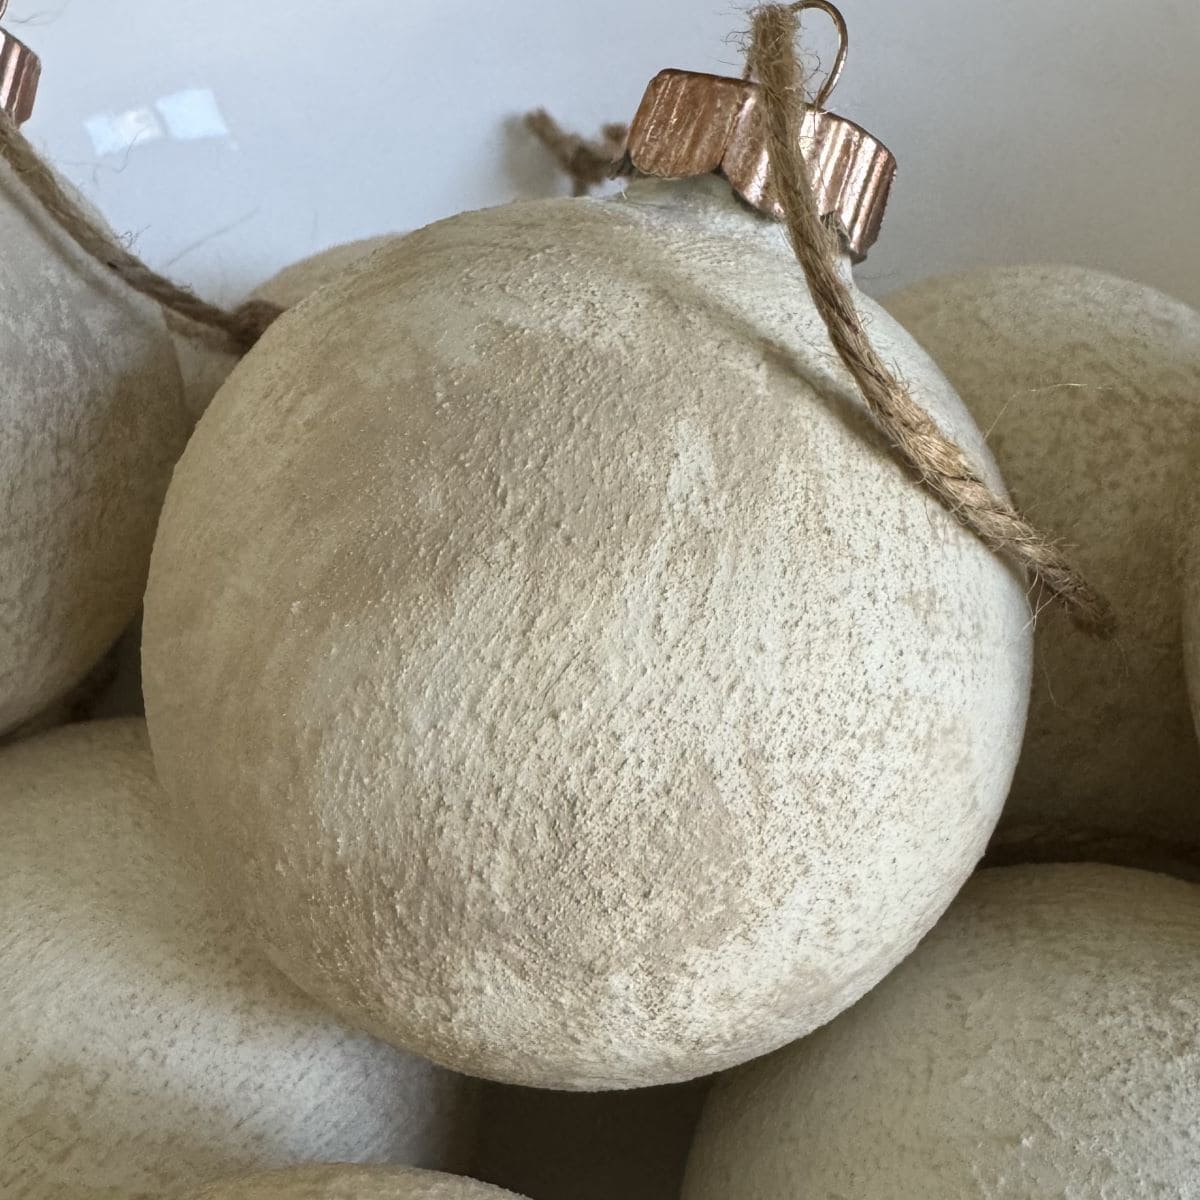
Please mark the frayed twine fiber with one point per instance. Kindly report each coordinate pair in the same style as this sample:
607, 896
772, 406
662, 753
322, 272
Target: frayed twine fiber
586, 163
242, 326
937, 463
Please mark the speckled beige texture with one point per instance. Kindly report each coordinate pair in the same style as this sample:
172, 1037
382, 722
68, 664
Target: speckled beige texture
202, 360
352, 1183
556, 669
1043, 1043
145, 1046
1089, 387
91, 423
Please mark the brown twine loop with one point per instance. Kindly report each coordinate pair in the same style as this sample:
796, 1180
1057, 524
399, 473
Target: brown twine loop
243, 326
939, 464
586, 163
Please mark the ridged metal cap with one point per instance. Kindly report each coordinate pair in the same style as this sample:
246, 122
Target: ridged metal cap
20, 70
692, 124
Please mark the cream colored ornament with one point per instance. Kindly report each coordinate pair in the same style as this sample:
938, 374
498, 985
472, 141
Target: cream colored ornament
91, 423
351, 1183
204, 359
1042, 1044
146, 1046
553, 664
1089, 389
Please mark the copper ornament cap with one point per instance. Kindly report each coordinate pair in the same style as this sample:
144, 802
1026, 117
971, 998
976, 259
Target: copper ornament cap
691, 123
20, 70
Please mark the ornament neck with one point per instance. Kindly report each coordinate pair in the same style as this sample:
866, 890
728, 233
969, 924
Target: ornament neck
710, 203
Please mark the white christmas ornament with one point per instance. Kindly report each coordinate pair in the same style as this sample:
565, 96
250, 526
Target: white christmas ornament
1041, 1044
147, 1047
91, 423
582, 677
351, 1183
553, 663
204, 370
1088, 387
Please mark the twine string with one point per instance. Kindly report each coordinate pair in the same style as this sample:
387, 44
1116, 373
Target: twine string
940, 465
936, 461
242, 326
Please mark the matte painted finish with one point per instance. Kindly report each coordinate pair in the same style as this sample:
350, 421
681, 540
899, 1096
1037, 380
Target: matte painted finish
1089, 388
204, 360
91, 423
146, 1046
588, 699
1041, 1044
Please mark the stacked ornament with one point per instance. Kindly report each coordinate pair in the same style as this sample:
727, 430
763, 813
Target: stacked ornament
556, 677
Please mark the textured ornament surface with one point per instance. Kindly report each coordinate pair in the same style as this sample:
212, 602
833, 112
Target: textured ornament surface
588, 698
91, 423
351, 1183
203, 360
1089, 388
146, 1046
1041, 1044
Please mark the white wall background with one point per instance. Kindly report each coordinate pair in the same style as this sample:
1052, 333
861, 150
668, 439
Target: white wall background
229, 137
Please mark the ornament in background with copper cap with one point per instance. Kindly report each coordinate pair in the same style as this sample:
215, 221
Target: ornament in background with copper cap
691, 124
20, 70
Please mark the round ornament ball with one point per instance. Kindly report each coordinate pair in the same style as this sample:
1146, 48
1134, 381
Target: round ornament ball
553, 663
91, 422
1089, 389
351, 1183
1041, 1044
147, 1047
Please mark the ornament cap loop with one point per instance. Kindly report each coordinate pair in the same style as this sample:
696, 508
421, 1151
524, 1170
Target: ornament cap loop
20, 70
839, 63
